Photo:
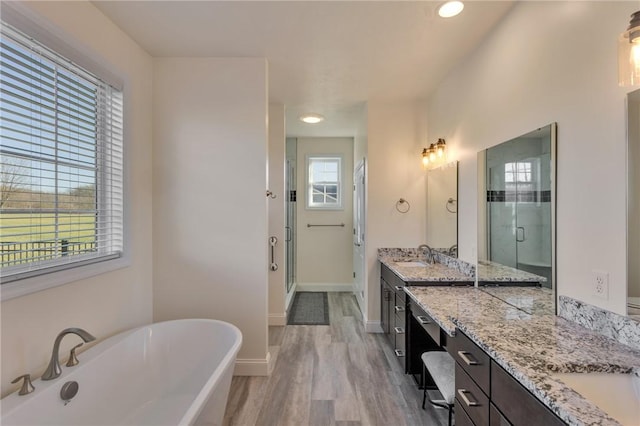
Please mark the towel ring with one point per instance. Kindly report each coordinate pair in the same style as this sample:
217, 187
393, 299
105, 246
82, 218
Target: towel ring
402, 202
452, 201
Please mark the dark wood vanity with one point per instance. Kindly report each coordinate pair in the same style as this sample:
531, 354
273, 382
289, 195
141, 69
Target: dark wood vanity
486, 394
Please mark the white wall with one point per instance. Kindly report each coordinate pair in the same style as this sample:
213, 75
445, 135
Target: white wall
277, 289
116, 301
550, 62
395, 135
210, 209
325, 254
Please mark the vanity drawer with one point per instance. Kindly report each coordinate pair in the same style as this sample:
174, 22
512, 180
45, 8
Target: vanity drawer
471, 358
471, 398
426, 322
392, 279
516, 403
462, 418
400, 344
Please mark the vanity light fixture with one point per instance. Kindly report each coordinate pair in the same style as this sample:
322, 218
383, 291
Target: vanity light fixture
450, 9
311, 118
435, 154
629, 53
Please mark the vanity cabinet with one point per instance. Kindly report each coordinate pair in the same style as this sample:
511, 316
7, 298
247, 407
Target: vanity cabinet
486, 395
393, 312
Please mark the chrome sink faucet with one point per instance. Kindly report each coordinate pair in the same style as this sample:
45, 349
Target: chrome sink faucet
428, 252
53, 369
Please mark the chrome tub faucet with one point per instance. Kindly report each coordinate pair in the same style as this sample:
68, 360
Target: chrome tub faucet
53, 369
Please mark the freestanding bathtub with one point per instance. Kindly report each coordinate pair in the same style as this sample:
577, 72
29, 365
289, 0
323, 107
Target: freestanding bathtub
169, 373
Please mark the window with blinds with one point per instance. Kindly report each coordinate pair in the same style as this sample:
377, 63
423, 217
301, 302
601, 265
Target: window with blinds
61, 162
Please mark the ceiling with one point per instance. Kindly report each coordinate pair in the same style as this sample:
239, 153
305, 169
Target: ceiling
327, 57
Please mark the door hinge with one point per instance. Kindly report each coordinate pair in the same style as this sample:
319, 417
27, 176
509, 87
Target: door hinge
354, 275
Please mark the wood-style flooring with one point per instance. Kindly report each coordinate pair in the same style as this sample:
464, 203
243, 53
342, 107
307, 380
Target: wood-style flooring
335, 374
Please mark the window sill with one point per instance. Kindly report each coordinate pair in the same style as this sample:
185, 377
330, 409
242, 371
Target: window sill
27, 286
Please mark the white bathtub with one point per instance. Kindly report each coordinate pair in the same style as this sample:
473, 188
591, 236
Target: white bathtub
169, 373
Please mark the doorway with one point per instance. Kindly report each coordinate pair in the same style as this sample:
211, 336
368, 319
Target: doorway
320, 215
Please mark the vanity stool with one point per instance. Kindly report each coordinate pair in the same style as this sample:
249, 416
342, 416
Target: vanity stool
441, 367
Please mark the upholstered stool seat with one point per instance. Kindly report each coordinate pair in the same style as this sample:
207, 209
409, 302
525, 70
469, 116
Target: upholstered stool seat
441, 368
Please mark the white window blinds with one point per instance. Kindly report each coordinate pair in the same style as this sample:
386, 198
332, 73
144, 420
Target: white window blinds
61, 162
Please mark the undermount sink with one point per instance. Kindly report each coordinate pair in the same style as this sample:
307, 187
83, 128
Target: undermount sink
412, 263
616, 394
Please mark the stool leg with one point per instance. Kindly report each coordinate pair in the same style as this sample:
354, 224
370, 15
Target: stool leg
424, 386
450, 414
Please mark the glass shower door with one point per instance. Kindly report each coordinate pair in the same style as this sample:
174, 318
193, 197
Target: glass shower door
290, 226
519, 191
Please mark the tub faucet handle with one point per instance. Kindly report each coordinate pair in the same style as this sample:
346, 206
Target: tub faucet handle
26, 387
73, 359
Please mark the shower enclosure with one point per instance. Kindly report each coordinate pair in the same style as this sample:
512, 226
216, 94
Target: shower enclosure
290, 220
519, 204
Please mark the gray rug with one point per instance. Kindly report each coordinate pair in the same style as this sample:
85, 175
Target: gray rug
309, 308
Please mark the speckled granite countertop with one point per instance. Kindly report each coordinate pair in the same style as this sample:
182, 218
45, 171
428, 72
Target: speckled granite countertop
495, 272
530, 346
435, 272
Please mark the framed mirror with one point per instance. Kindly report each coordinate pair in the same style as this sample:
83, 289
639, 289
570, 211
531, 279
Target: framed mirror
633, 204
516, 211
442, 208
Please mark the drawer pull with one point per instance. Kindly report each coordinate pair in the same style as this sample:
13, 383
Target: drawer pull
462, 393
399, 308
399, 353
465, 357
398, 288
424, 320
399, 330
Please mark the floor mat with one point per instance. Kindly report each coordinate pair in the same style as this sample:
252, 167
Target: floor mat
309, 308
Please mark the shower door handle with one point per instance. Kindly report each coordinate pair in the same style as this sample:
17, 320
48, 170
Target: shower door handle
519, 232
288, 235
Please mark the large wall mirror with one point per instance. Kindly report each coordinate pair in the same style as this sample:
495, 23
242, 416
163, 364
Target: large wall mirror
633, 205
442, 208
516, 211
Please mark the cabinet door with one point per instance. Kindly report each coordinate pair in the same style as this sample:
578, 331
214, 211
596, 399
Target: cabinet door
496, 418
516, 403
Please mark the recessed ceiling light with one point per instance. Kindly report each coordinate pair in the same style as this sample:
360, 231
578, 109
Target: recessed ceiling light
450, 9
311, 118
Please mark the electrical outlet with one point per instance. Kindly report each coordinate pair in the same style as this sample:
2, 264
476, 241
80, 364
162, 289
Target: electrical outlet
600, 284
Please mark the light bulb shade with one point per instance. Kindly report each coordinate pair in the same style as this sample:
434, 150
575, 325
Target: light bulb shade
425, 157
629, 53
432, 152
440, 147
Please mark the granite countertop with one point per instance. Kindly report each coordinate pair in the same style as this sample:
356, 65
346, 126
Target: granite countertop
495, 272
434, 272
530, 345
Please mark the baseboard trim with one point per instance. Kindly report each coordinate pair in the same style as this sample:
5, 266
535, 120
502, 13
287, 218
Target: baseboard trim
277, 319
253, 367
373, 326
324, 287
